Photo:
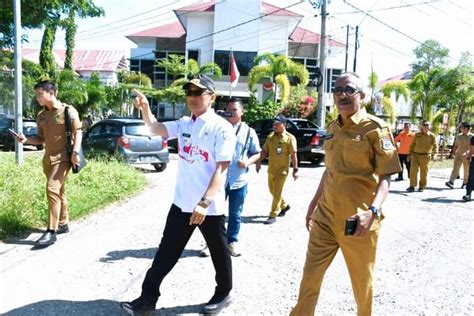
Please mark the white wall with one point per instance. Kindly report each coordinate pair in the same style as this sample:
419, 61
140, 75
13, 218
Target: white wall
106, 77
199, 25
274, 32
231, 12
145, 49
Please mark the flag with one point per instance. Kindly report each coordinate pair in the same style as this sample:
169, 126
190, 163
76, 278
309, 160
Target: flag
233, 71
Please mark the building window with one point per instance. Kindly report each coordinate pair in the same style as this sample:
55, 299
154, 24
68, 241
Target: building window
244, 61
161, 76
332, 74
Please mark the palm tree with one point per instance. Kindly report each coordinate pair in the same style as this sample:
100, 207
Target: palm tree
425, 92
278, 68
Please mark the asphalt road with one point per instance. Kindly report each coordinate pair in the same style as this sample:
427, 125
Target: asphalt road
424, 260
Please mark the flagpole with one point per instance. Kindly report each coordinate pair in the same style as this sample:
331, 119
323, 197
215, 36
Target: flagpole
230, 83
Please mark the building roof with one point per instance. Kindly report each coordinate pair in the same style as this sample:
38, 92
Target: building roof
84, 60
406, 76
265, 9
171, 30
301, 35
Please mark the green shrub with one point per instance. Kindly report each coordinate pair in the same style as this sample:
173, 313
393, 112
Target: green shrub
23, 204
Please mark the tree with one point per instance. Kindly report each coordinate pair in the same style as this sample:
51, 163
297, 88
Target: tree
46, 57
95, 92
176, 67
429, 55
72, 90
426, 92
278, 68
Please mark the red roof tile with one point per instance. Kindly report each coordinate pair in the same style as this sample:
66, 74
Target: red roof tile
199, 7
268, 9
301, 35
86, 60
172, 30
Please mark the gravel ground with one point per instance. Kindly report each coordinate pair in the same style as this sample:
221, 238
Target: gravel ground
424, 263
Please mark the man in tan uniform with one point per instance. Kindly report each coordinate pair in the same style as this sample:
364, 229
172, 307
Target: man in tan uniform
279, 147
461, 155
360, 157
56, 161
422, 149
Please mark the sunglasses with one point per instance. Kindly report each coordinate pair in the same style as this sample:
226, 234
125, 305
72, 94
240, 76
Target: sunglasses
348, 90
426, 125
196, 93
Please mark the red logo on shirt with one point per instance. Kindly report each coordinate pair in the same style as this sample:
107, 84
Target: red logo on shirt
191, 153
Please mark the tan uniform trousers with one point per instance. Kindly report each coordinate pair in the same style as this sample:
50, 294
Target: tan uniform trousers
275, 185
359, 255
458, 161
419, 161
56, 175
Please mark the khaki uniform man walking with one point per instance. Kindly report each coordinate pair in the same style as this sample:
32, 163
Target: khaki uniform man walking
360, 157
279, 147
461, 155
421, 150
56, 161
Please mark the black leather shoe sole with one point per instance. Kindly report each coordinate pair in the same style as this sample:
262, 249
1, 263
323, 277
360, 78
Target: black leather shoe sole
210, 309
47, 239
142, 311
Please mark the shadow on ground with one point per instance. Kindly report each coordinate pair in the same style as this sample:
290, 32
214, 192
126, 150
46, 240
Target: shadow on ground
257, 219
148, 253
91, 308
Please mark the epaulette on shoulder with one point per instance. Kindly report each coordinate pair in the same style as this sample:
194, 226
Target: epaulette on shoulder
381, 123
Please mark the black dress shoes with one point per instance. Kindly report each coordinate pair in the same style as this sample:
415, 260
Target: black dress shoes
62, 229
215, 305
48, 238
138, 306
283, 211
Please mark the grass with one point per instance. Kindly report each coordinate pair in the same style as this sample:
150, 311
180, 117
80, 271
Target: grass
23, 204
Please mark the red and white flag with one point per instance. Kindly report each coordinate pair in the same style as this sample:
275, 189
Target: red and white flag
233, 71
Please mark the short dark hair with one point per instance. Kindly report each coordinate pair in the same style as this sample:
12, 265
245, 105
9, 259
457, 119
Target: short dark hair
46, 85
425, 122
466, 125
235, 100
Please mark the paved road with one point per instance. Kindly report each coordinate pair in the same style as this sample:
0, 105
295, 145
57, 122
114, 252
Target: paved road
424, 264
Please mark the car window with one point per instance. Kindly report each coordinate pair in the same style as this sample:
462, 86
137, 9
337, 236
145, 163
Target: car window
112, 129
95, 131
257, 125
137, 130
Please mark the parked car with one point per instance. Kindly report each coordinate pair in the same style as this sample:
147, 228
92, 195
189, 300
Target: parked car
309, 137
128, 138
172, 143
30, 129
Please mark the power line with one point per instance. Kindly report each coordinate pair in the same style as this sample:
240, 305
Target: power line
391, 8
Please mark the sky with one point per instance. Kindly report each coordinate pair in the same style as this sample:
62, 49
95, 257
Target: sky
389, 30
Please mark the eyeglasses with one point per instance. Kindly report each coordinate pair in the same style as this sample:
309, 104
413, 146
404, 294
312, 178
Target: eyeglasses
426, 125
196, 93
348, 90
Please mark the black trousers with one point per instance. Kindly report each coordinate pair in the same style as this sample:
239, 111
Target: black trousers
175, 237
404, 160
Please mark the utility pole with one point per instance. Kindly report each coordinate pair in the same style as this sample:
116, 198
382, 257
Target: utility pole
18, 80
347, 47
321, 109
355, 47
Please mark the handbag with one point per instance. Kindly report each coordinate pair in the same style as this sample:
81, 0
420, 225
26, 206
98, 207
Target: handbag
82, 161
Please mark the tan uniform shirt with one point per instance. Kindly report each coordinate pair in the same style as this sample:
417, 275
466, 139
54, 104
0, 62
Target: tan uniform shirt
356, 154
279, 149
52, 129
423, 143
463, 142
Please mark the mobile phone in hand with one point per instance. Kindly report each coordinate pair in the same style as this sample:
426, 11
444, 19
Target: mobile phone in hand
351, 225
15, 134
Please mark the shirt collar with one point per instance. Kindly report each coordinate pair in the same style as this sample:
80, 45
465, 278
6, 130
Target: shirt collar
356, 118
57, 105
206, 116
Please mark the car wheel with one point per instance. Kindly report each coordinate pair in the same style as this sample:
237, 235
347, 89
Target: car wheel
159, 166
39, 147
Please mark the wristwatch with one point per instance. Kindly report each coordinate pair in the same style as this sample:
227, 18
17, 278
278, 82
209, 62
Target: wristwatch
377, 213
75, 153
204, 202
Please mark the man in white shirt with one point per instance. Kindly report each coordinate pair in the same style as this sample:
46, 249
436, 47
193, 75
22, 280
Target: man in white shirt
206, 145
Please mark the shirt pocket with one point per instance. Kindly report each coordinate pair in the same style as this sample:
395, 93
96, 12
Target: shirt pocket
357, 155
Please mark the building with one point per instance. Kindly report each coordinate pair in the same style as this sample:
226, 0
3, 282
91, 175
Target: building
85, 62
209, 31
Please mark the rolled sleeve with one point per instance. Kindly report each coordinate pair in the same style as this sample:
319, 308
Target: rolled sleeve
225, 144
254, 146
172, 127
386, 157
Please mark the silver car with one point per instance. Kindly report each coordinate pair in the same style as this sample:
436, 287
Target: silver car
128, 138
